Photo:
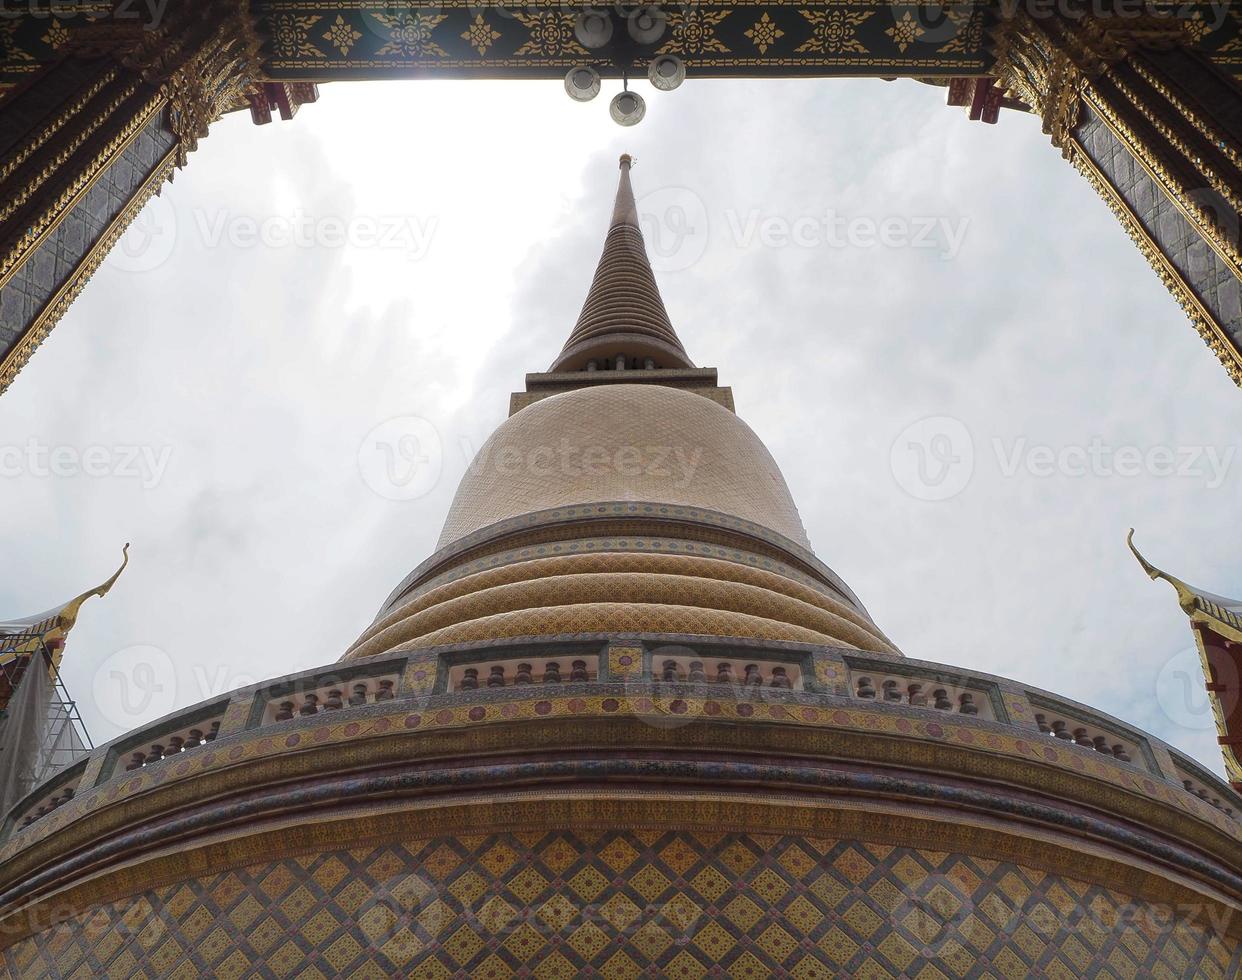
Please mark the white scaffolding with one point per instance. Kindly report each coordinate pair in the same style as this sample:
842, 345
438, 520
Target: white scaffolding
41, 731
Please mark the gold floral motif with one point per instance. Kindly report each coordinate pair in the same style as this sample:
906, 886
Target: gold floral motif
481, 35
834, 32
342, 36
56, 35
764, 33
1235, 43
625, 661
409, 34
966, 28
8, 42
290, 35
1196, 27
551, 34
694, 32
905, 31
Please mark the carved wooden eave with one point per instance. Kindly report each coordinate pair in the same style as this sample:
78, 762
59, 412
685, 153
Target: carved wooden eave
1217, 626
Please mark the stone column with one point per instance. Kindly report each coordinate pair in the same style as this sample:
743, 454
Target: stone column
1157, 131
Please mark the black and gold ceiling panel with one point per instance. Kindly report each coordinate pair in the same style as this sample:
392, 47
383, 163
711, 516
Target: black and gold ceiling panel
321, 40
324, 39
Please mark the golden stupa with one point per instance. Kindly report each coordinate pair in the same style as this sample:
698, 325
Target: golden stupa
624, 722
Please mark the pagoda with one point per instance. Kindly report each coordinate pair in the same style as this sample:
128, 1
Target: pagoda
625, 721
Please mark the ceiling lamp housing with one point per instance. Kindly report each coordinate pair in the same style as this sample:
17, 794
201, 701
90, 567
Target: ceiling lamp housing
667, 72
646, 24
593, 28
627, 108
582, 84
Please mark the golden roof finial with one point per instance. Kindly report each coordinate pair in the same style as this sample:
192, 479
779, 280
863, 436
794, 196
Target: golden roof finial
49, 630
1185, 594
69, 612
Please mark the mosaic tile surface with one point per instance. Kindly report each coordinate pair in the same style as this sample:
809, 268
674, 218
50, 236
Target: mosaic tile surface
623, 442
622, 904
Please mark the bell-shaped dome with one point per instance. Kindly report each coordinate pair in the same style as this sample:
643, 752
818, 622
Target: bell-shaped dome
624, 442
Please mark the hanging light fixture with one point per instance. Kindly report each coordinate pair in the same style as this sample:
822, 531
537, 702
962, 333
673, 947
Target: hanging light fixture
627, 108
646, 24
582, 84
593, 28
667, 71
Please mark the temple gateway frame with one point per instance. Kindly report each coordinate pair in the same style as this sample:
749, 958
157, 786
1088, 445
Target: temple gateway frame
101, 101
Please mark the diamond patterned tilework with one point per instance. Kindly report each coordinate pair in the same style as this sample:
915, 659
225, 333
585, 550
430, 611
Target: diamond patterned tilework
623, 904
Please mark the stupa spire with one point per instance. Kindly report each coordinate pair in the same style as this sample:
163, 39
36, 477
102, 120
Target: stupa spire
625, 211
623, 313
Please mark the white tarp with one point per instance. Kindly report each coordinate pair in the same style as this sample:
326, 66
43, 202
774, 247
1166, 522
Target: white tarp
38, 735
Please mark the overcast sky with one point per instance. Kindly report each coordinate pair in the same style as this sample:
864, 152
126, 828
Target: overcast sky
855, 258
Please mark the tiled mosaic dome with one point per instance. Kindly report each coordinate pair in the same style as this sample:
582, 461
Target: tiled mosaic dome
624, 442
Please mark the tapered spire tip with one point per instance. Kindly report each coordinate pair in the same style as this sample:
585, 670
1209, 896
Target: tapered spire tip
623, 315
625, 211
